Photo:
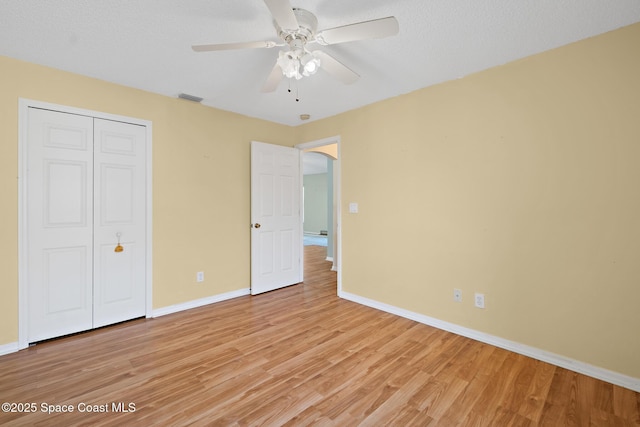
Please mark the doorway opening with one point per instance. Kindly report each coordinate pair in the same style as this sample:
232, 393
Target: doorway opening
321, 173
317, 200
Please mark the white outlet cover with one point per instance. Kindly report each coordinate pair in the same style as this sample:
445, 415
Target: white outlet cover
200, 276
479, 300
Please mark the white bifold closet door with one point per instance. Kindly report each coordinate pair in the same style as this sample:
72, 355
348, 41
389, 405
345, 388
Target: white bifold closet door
85, 195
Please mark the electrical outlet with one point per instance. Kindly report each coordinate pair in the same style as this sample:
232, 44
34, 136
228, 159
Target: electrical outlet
457, 295
200, 276
479, 300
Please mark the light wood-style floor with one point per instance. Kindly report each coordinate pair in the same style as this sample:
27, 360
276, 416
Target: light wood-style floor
298, 356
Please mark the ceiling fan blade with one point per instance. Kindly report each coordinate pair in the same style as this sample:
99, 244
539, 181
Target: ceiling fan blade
336, 68
282, 13
273, 80
230, 46
378, 28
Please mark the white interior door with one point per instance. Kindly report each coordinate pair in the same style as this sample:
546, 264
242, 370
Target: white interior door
276, 222
86, 185
59, 223
119, 217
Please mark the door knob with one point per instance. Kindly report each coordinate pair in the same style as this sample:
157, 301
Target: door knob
119, 247
257, 225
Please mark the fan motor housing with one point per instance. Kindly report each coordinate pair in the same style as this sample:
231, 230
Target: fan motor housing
307, 26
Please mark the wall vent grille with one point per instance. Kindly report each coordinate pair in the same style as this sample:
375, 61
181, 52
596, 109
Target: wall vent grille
190, 97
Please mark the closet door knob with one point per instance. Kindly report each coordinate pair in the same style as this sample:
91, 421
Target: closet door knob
257, 225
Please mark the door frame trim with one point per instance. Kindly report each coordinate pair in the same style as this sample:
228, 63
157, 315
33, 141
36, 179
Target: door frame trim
23, 268
338, 196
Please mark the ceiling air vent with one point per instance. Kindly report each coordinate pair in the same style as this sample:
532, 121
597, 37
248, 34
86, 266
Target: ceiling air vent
190, 97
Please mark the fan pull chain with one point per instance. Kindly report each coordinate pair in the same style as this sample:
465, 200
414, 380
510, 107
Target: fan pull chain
296, 89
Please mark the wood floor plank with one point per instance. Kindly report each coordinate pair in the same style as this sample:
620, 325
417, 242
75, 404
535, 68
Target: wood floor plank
395, 409
623, 404
532, 405
298, 356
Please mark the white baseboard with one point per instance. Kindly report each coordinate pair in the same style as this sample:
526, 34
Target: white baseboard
536, 353
199, 302
329, 258
12, 347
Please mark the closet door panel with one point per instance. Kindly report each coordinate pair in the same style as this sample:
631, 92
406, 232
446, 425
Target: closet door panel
59, 224
119, 221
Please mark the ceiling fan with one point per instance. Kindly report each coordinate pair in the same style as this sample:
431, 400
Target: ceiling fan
297, 28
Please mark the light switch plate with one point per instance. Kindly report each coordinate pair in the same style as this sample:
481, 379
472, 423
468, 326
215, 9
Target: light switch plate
353, 207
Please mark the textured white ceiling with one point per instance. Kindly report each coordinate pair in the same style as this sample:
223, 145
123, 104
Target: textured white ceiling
146, 44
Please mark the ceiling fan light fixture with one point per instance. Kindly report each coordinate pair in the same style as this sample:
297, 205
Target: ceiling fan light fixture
289, 64
310, 63
296, 63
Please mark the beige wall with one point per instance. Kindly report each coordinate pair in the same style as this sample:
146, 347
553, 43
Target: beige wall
200, 183
521, 182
